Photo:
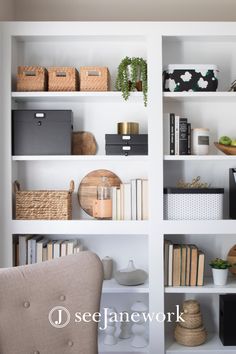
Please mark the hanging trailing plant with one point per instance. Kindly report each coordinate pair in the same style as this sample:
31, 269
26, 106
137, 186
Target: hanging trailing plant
132, 75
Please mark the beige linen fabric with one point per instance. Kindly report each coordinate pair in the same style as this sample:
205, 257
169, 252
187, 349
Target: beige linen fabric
28, 293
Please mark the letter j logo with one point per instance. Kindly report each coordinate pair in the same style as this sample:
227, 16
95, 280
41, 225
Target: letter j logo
59, 317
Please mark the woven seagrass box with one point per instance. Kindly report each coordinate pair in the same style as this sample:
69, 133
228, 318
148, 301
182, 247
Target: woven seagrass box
63, 79
31, 78
94, 78
43, 204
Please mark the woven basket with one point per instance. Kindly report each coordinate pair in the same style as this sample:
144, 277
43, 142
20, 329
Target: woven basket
190, 337
31, 78
191, 307
192, 320
43, 205
94, 78
63, 79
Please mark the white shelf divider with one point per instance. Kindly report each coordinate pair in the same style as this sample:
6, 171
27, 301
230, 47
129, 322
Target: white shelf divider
207, 288
81, 158
199, 158
199, 227
80, 227
213, 345
200, 96
112, 287
47, 96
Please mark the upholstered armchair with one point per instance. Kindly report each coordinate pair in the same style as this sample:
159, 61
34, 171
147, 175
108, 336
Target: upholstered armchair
29, 296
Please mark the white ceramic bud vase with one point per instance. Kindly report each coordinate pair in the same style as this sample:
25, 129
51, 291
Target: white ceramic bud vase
220, 276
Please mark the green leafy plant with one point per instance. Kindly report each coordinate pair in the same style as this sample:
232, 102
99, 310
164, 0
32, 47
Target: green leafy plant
126, 80
219, 263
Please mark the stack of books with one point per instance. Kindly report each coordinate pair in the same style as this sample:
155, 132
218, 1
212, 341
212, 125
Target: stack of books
183, 265
29, 249
130, 200
177, 135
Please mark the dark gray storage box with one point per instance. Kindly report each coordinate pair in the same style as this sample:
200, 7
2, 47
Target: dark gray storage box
41, 132
133, 144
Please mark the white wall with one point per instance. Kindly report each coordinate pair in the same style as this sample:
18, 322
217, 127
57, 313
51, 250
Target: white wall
162, 10
7, 10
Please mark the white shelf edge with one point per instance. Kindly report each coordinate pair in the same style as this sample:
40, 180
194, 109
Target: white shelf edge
81, 158
198, 157
112, 287
199, 95
199, 227
73, 96
213, 345
79, 227
207, 288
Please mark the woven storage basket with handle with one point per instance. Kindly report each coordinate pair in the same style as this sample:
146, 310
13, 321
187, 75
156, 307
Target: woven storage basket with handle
94, 78
63, 79
31, 78
43, 204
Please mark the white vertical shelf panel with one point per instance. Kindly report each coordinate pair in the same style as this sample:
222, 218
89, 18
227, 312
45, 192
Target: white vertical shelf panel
156, 295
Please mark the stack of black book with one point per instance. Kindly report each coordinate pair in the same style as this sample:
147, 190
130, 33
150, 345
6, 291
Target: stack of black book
177, 135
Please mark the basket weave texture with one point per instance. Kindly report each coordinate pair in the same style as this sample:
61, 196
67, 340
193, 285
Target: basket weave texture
63, 79
191, 332
31, 78
94, 78
190, 337
44, 204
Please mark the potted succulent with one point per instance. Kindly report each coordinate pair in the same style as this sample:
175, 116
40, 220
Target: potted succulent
220, 270
132, 75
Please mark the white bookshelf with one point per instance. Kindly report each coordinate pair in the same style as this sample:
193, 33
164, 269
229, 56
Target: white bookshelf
84, 227
199, 158
98, 112
207, 288
222, 96
112, 287
213, 345
82, 158
74, 96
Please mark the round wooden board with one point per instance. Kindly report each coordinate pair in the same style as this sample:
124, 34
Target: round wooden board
83, 143
87, 192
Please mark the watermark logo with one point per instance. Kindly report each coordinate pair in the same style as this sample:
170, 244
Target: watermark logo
59, 317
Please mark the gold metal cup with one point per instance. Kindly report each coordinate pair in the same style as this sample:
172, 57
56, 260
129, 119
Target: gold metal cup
128, 128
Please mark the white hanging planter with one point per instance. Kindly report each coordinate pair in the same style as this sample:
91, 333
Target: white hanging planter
220, 276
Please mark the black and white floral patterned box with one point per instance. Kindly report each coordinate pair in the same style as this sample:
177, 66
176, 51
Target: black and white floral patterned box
182, 77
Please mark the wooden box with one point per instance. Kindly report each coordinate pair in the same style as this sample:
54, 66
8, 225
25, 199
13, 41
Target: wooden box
63, 79
94, 78
31, 78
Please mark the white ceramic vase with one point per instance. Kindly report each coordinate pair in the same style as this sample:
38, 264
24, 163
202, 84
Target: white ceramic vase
220, 276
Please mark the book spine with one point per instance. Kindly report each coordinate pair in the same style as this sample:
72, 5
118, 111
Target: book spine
133, 199
183, 136
118, 207
127, 201
144, 199
139, 199
189, 138
113, 196
172, 134
176, 135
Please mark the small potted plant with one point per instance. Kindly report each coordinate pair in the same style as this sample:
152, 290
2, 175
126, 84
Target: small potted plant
132, 75
220, 271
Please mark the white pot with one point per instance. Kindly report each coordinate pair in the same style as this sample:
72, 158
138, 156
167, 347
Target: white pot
220, 276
